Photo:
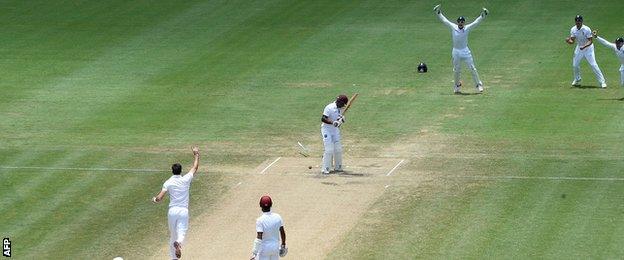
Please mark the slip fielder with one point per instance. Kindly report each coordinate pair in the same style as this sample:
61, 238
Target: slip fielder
178, 187
331, 120
582, 35
269, 230
461, 52
618, 48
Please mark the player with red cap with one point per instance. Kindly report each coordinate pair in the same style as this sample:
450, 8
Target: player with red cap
269, 229
332, 119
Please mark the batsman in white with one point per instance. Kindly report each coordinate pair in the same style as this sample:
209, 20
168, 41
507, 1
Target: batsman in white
618, 48
331, 120
178, 187
461, 52
269, 230
584, 49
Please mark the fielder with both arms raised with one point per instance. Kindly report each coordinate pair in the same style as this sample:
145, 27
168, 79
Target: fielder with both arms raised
461, 52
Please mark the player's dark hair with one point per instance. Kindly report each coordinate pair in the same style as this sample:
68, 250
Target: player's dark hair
176, 169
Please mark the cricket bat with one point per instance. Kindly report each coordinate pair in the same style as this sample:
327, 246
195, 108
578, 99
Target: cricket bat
351, 100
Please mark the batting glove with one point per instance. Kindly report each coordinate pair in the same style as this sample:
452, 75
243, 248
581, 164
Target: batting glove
342, 119
337, 123
283, 251
437, 9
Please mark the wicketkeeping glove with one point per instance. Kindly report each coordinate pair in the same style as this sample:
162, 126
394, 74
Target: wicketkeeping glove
485, 12
283, 251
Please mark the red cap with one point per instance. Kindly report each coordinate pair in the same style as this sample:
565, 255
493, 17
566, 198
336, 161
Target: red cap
266, 201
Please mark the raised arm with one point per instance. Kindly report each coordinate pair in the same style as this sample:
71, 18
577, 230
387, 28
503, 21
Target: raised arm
605, 42
196, 161
479, 19
438, 10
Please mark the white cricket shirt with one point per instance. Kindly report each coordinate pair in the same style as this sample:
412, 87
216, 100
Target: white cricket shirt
460, 36
178, 188
582, 35
612, 46
332, 112
269, 224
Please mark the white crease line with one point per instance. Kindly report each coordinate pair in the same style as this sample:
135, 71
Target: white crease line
555, 178
278, 158
79, 169
238, 184
386, 186
395, 167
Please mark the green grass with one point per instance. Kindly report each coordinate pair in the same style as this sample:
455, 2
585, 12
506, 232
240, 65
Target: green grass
121, 84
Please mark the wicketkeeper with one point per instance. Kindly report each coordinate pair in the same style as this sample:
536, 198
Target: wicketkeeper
461, 52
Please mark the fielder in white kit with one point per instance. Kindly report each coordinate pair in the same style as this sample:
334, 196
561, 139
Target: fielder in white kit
178, 188
269, 230
582, 35
331, 120
461, 52
618, 48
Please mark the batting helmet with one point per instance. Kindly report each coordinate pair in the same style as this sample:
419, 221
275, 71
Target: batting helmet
620, 40
341, 100
578, 17
266, 202
461, 19
422, 67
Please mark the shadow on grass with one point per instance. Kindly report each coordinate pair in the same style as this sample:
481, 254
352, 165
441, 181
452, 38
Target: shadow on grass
611, 99
586, 87
467, 94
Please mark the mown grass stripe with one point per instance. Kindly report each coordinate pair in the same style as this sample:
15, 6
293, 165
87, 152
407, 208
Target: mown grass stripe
25, 187
79, 169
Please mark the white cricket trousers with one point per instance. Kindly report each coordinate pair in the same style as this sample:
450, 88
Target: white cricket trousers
269, 256
178, 225
622, 75
332, 149
465, 56
588, 54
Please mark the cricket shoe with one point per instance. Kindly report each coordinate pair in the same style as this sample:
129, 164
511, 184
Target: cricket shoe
324, 172
480, 88
576, 83
603, 85
178, 249
456, 89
